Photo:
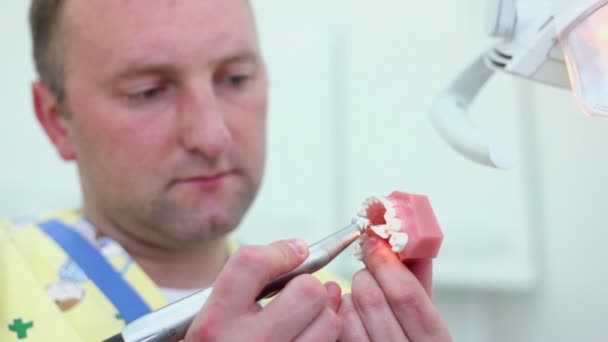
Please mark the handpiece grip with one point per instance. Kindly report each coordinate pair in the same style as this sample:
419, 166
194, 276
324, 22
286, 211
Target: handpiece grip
317, 259
170, 323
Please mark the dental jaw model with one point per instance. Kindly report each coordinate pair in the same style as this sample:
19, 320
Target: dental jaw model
407, 222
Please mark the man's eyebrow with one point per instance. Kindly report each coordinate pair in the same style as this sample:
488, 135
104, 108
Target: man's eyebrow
143, 67
241, 56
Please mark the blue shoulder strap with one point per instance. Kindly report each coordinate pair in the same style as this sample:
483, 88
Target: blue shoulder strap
125, 299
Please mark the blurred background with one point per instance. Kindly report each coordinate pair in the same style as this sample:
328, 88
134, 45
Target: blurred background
351, 86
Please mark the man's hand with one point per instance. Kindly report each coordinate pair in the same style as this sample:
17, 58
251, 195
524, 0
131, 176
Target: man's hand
304, 311
391, 301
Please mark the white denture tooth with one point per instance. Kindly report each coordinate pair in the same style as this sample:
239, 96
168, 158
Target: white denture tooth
390, 214
362, 212
376, 229
387, 203
398, 241
380, 230
394, 225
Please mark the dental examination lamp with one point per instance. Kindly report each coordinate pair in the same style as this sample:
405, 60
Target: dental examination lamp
563, 43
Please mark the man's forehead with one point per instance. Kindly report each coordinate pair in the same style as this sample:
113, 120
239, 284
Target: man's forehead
133, 29
83, 13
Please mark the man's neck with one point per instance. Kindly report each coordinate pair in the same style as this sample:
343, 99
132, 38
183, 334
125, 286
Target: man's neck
183, 269
191, 267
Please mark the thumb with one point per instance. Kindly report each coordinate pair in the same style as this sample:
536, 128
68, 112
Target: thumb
251, 268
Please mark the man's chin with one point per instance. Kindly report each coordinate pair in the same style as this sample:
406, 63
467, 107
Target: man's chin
196, 230
206, 218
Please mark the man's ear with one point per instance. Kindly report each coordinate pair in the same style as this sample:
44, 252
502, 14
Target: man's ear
53, 121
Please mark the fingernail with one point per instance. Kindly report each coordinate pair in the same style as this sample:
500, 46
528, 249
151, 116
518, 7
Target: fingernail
370, 244
298, 246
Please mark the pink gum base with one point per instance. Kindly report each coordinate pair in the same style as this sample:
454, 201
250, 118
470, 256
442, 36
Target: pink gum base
418, 221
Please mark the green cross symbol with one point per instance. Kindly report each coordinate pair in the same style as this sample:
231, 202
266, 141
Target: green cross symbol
20, 328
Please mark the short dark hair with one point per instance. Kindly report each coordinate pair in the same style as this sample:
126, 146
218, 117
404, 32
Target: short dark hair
45, 24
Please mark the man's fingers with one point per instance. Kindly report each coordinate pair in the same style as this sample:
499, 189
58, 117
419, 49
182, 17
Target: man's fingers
295, 308
334, 295
374, 310
405, 294
422, 269
326, 327
251, 268
353, 329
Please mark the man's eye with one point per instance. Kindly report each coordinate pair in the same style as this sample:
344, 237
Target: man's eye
148, 94
237, 81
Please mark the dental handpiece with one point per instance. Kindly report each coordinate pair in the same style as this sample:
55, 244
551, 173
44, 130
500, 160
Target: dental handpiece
170, 323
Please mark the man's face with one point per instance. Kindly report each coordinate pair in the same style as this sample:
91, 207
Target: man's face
167, 103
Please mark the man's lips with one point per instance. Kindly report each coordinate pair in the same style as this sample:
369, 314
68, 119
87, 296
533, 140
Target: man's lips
209, 180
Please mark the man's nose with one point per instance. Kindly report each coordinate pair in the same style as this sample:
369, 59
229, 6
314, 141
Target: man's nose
203, 126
